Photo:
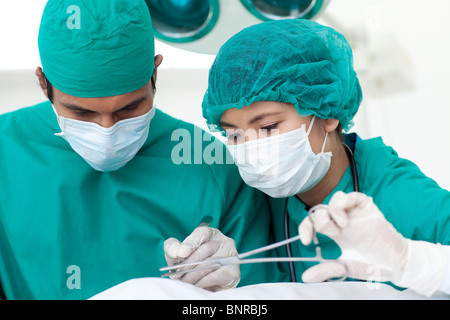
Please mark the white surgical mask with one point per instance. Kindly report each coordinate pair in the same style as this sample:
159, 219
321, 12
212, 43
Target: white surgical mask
106, 149
281, 165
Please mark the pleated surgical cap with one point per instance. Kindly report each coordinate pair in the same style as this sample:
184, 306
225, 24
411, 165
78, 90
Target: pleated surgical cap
300, 62
97, 48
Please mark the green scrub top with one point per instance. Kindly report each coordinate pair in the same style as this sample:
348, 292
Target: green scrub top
415, 204
70, 232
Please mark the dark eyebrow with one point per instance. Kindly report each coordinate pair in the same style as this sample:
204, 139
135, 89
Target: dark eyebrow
226, 124
134, 103
262, 116
75, 107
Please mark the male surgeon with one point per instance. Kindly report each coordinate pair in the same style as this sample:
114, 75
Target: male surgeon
89, 189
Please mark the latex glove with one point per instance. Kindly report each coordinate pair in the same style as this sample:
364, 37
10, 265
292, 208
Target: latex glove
204, 243
371, 247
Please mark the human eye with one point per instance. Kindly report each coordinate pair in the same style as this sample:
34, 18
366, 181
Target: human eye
130, 108
269, 128
82, 113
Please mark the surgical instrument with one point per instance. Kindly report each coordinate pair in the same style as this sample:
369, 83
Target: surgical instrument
183, 268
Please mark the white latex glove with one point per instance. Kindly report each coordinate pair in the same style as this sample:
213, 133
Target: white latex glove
371, 247
204, 243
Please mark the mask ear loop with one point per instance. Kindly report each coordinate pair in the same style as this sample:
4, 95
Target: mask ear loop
311, 125
309, 131
61, 125
324, 143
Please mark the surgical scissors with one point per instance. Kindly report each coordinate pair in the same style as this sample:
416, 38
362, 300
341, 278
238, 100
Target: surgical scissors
183, 268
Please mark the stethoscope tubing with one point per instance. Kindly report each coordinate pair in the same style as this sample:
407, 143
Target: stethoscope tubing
351, 159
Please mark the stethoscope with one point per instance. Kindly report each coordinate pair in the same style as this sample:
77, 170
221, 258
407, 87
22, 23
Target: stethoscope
351, 159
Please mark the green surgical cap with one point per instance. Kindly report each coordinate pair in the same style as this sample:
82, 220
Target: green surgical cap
97, 48
300, 62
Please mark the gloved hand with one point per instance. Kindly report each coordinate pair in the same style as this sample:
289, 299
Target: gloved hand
371, 247
204, 243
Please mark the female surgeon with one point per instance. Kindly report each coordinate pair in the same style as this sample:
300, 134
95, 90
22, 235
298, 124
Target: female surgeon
284, 92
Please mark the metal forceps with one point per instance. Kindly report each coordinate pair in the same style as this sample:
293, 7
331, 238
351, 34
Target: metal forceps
183, 268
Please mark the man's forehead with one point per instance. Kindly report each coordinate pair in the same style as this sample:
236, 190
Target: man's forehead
103, 104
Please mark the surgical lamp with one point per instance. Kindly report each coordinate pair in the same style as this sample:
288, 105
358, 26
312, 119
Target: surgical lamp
204, 25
